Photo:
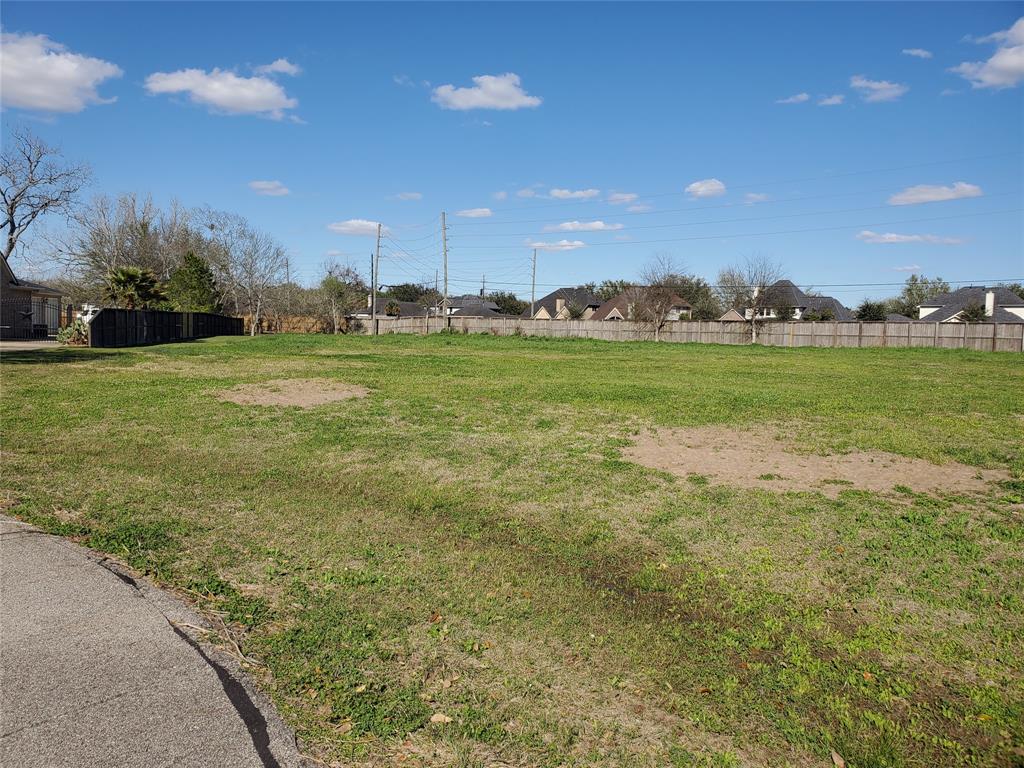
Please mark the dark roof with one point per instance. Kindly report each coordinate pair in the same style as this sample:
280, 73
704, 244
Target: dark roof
580, 296
486, 309
470, 300
820, 303
897, 318
784, 293
623, 301
950, 304
975, 293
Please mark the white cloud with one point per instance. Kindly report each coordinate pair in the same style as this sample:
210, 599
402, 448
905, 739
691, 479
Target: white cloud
933, 193
1005, 68
754, 197
39, 74
475, 213
831, 101
404, 80
888, 238
582, 226
639, 208
226, 92
501, 195
270, 188
526, 193
409, 196
561, 245
920, 53
618, 198
908, 268
354, 227
706, 188
278, 67
797, 98
877, 90
574, 194
488, 92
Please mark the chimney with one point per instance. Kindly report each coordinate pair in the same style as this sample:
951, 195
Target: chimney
559, 305
990, 303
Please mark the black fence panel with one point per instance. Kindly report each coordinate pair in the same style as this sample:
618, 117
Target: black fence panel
135, 327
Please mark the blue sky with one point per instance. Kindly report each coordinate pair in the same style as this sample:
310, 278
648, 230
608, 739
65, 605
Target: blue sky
849, 142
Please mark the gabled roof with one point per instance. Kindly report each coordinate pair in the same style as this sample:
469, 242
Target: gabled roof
10, 281
470, 300
895, 317
975, 294
784, 293
477, 310
628, 297
580, 296
953, 303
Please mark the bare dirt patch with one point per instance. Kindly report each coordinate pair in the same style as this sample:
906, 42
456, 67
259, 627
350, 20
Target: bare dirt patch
754, 458
301, 393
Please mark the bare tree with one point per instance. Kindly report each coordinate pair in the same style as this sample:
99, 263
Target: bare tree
662, 280
247, 262
35, 180
341, 291
745, 288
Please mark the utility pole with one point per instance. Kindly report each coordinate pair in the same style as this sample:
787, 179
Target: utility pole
376, 277
444, 246
483, 286
533, 284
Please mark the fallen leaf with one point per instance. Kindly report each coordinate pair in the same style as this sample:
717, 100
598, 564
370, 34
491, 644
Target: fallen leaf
838, 761
438, 717
446, 683
435, 617
868, 676
361, 688
344, 727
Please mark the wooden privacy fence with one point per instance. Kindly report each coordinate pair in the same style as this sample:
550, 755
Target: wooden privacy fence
989, 337
135, 327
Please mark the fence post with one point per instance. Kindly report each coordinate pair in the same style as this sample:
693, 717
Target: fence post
860, 334
935, 338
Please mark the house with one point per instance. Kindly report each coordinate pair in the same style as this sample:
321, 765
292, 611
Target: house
784, 294
1001, 305
405, 308
895, 317
27, 310
733, 315
557, 305
625, 306
475, 304
479, 309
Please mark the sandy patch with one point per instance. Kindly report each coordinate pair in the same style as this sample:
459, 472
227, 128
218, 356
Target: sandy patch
301, 393
755, 458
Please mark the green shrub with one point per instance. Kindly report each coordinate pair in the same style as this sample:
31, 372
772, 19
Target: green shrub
75, 334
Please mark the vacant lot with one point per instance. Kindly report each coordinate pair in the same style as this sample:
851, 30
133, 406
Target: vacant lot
446, 554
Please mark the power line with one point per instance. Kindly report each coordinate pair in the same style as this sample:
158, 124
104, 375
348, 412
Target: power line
566, 233
892, 169
766, 234
813, 284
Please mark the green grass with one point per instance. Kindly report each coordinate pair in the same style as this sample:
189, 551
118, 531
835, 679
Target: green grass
469, 540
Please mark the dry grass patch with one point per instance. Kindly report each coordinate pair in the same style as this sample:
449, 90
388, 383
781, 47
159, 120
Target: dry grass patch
755, 458
300, 393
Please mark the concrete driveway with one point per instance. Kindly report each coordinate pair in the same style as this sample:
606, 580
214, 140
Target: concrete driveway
98, 669
25, 346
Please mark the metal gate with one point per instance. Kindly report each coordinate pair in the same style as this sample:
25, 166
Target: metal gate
29, 318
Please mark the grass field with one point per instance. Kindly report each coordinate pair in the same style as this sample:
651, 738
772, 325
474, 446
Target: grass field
462, 569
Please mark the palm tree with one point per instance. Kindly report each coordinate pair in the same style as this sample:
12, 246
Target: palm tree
133, 288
